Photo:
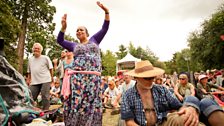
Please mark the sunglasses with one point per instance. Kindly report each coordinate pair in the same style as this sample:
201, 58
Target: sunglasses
148, 78
182, 78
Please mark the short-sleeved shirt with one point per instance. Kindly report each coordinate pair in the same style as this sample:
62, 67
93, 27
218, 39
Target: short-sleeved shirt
112, 93
39, 68
55, 90
125, 87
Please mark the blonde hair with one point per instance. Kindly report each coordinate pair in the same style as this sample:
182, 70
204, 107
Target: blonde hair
37, 44
111, 82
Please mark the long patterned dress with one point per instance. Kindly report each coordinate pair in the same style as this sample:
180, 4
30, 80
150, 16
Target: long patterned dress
84, 107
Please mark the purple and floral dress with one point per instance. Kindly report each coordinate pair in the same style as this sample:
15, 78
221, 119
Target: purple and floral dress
84, 106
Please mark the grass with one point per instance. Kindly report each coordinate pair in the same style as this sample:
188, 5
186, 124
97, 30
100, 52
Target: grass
110, 120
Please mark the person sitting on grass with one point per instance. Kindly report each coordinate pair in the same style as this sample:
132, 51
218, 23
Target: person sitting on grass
148, 104
205, 90
110, 95
183, 88
55, 92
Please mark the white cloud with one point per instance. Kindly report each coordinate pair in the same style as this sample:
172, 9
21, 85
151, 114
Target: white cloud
162, 25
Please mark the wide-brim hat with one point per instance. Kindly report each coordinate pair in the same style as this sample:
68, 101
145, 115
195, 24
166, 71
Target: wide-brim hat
145, 69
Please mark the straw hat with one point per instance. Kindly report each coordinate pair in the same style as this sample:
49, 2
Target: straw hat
145, 69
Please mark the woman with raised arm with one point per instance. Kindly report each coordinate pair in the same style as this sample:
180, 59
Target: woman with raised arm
83, 107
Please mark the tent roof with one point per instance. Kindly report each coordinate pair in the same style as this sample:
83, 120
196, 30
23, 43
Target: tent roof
128, 58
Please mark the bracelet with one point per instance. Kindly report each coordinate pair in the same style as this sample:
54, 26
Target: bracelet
106, 12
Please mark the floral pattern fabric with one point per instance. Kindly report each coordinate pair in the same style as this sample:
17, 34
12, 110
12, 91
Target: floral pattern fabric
84, 106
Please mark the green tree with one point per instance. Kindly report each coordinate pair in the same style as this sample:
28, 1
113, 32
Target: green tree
109, 63
143, 54
53, 51
131, 49
55, 48
36, 24
182, 60
122, 52
170, 66
9, 31
207, 48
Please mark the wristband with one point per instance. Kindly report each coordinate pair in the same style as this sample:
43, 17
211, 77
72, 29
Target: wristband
106, 12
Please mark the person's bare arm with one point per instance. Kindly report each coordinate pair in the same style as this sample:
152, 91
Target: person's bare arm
116, 101
106, 10
55, 64
28, 81
217, 92
130, 122
192, 90
52, 74
177, 93
204, 91
221, 88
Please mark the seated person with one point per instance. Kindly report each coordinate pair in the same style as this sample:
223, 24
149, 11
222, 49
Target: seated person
183, 88
55, 91
158, 80
110, 95
169, 84
148, 104
205, 89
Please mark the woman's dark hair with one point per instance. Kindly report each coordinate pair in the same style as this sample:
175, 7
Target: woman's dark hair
87, 33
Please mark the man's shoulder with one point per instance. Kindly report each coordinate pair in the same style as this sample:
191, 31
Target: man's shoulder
44, 56
32, 57
199, 85
159, 88
131, 90
191, 84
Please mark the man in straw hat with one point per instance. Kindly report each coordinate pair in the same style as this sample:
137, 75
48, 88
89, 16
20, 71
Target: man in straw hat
146, 104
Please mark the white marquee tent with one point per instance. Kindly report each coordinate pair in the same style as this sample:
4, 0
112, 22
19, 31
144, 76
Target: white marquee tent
126, 63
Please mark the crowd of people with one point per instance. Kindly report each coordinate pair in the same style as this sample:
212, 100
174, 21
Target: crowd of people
144, 96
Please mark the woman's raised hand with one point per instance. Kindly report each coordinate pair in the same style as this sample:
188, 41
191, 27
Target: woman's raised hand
64, 23
103, 7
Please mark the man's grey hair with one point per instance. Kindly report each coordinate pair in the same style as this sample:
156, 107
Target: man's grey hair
37, 44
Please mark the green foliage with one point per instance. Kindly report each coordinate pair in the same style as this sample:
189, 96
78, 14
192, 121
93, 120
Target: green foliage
207, 48
25, 65
9, 31
181, 61
109, 63
122, 52
143, 54
55, 48
140, 53
170, 66
160, 64
35, 19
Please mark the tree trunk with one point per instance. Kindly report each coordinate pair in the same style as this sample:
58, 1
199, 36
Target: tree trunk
21, 43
